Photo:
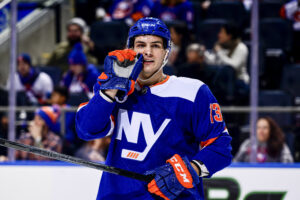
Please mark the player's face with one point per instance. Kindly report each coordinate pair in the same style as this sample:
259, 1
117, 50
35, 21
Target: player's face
152, 48
263, 130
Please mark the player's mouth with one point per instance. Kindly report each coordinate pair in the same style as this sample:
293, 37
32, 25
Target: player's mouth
148, 62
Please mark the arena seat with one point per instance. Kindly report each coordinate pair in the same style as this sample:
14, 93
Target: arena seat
108, 36
54, 72
269, 9
207, 31
277, 98
291, 79
230, 10
275, 33
21, 98
77, 98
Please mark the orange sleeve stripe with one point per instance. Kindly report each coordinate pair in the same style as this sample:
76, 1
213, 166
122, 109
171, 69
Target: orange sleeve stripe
83, 104
208, 142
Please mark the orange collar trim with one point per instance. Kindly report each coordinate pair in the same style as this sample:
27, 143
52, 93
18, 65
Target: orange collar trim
159, 83
162, 82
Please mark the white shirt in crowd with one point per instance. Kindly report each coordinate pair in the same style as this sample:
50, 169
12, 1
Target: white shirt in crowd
43, 86
238, 60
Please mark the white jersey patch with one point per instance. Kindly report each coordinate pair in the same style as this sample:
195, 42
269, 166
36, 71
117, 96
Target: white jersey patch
181, 87
131, 131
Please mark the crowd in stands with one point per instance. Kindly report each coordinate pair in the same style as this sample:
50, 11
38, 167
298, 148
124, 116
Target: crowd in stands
211, 41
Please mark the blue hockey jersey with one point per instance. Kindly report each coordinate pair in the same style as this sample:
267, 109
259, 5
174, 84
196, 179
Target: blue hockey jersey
174, 116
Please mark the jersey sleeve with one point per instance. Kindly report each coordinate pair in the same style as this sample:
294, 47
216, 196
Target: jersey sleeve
94, 119
210, 130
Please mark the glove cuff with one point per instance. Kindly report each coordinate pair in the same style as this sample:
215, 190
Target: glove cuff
203, 171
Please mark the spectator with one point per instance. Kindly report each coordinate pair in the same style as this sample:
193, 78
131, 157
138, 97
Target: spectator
180, 39
37, 85
170, 10
220, 80
42, 133
270, 144
76, 32
230, 50
71, 142
291, 11
195, 66
94, 150
81, 76
59, 96
129, 10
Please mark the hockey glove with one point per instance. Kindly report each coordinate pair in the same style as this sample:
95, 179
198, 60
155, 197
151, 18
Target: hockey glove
121, 69
173, 178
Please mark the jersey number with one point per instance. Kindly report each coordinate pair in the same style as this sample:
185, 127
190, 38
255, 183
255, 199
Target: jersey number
218, 115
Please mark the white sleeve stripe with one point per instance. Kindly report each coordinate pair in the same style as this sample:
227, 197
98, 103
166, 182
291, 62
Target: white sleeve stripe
226, 131
112, 126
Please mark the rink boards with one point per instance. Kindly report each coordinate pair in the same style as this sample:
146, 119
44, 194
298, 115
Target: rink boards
56, 180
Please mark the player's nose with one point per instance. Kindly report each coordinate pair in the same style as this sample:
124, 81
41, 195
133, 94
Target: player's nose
148, 51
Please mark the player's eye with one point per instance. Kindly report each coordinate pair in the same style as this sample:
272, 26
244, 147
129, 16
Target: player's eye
156, 46
140, 45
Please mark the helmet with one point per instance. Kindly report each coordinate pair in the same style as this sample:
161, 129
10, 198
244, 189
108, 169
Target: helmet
149, 26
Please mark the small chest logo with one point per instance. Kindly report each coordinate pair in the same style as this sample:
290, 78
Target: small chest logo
131, 131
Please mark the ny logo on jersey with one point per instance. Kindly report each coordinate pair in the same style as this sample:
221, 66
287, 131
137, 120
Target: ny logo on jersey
131, 131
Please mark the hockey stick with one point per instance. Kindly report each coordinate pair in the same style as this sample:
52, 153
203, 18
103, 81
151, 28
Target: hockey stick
74, 160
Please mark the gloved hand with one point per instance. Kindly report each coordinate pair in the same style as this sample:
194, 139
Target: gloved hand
121, 69
173, 178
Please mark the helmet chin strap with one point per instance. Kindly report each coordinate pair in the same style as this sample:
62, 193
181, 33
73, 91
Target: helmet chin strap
163, 64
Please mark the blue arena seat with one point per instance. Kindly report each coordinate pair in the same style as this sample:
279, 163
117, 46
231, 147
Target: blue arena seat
54, 72
77, 98
291, 79
108, 36
21, 98
269, 9
198, 13
277, 98
275, 33
273, 63
207, 31
230, 10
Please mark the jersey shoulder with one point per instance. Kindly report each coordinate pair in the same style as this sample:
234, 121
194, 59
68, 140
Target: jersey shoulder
180, 87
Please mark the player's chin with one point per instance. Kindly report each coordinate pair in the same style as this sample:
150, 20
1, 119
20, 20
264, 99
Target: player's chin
146, 73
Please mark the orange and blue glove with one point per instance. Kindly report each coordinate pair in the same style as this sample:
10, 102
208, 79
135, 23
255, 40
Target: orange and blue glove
173, 178
121, 69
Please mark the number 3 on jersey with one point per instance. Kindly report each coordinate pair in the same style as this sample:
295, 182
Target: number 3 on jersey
217, 116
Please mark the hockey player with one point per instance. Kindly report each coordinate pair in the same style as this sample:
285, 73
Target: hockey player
156, 123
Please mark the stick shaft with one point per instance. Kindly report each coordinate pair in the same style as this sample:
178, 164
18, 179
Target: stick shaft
74, 160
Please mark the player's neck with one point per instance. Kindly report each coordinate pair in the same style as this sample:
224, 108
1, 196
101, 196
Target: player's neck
156, 78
